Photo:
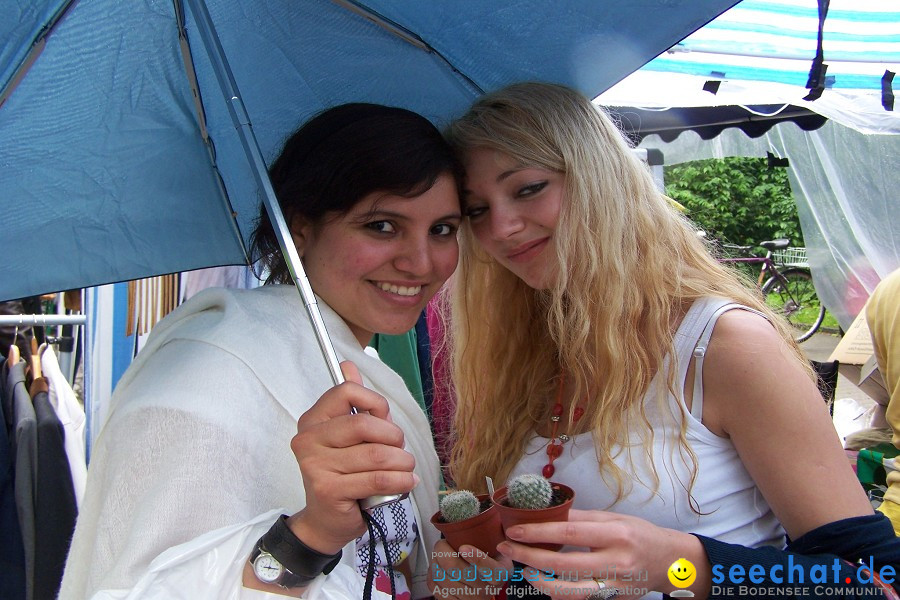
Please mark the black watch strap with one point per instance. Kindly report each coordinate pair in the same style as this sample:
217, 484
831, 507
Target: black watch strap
300, 560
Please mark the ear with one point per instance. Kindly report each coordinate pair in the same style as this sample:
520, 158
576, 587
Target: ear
300, 232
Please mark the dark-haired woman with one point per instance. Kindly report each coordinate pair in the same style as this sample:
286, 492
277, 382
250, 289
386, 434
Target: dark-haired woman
194, 489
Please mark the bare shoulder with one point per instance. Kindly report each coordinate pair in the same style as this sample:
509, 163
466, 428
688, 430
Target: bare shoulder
739, 327
748, 371
741, 337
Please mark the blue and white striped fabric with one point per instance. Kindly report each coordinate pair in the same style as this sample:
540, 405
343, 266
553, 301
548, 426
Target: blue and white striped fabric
774, 40
761, 51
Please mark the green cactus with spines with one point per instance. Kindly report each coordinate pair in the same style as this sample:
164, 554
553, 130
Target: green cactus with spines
529, 491
459, 506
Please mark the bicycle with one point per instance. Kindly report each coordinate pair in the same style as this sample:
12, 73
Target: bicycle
789, 291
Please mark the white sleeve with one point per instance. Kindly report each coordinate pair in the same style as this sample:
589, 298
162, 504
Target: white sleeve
210, 566
181, 486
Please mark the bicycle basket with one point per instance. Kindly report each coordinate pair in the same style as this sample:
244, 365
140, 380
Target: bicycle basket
791, 257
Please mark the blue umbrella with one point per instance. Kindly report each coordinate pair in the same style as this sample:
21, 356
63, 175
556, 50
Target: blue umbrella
134, 133
126, 138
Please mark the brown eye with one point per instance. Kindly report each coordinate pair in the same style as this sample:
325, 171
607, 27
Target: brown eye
443, 229
381, 226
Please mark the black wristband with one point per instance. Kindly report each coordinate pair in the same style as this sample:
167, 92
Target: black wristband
298, 558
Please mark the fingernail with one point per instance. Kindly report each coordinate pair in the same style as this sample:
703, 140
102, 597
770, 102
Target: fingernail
515, 532
504, 548
416, 480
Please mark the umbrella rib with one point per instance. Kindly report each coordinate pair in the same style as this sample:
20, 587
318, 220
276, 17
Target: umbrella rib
241, 121
36, 48
191, 73
405, 34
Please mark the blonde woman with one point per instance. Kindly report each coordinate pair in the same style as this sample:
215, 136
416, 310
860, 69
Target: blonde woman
596, 340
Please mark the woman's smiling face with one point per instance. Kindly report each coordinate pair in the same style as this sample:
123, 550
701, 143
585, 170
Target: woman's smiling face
513, 211
379, 264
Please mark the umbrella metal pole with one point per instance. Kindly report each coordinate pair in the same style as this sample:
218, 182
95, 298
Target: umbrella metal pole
241, 122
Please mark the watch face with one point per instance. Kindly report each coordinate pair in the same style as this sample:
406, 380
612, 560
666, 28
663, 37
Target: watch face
267, 569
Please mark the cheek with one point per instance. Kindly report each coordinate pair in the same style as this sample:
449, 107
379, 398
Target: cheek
445, 261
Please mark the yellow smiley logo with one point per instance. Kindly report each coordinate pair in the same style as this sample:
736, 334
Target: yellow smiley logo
682, 573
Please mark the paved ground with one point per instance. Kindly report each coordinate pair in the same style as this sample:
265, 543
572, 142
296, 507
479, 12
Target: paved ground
851, 403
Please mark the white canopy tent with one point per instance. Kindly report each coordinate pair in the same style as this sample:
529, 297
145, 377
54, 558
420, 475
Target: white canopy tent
845, 175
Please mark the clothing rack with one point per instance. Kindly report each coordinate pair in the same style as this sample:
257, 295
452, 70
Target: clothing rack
42, 320
66, 362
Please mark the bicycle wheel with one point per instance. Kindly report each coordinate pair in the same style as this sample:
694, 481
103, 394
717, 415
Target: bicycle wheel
791, 294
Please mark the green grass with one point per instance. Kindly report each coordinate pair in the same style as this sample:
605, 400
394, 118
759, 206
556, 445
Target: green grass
830, 321
807, 315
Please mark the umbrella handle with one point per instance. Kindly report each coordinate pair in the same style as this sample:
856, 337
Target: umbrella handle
295, 267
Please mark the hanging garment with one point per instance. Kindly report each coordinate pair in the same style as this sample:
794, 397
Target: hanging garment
423, 352
20, 335
54, 509
6, 397
24, 448
442, 399
12, 556
72, 417
399, 353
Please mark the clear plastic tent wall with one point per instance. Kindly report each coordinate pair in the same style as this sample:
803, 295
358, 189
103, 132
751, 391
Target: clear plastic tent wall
846, 187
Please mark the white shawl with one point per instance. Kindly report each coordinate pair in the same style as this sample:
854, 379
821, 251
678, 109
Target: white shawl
194, 462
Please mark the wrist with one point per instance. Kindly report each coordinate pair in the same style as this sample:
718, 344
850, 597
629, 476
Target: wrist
280, 558
688, 547
312, 536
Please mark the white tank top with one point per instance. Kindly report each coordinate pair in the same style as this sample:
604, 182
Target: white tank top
732, 508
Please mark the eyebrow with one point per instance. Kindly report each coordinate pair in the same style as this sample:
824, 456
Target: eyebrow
377, 214
510, 172
465, 192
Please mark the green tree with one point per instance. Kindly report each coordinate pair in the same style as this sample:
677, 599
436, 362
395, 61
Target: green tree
738, 200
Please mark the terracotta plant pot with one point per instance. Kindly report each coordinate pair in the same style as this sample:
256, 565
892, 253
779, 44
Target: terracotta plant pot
510, 516
483, 531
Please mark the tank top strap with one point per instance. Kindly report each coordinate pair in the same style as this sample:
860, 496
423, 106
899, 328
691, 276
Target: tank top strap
699, 351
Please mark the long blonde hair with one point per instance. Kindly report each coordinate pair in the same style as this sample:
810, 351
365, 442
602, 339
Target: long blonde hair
629, 266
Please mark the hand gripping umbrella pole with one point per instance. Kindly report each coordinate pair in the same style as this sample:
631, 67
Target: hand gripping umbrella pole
241, 123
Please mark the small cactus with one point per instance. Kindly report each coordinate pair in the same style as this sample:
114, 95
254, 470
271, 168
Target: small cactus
459, 506
529, 491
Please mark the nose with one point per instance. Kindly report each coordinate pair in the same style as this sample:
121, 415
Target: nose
504, 221
414, 256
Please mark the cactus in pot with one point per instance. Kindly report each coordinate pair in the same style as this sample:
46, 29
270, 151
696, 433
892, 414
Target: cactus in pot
459, 506
465, 518
531, 498
529, 491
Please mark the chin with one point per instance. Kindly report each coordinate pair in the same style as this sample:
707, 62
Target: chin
398, 328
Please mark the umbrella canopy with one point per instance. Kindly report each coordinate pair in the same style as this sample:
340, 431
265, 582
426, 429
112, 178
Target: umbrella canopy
133, 133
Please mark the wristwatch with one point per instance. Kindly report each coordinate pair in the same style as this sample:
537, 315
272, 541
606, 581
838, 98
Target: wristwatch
280, 558
268, 570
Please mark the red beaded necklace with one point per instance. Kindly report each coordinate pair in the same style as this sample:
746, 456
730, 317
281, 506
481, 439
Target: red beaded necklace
555, 445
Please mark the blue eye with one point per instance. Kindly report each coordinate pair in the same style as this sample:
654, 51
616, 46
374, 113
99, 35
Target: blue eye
475, 211
381, 226
533, 188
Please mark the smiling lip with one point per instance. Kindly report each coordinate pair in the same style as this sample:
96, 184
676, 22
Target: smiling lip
408, 294
527, 251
